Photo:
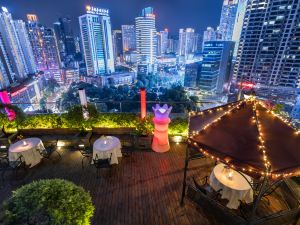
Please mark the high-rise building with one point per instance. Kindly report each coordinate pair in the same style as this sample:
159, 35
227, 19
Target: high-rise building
11, 45
162, 42
268, 52
52, 55
209, 35
239, 24
117, 44
60, 41
6, 74
216, 65
35, 33
192, 73
128, 38
187, 42
68, 37
228, 18
96, 36
22, 35
146, 39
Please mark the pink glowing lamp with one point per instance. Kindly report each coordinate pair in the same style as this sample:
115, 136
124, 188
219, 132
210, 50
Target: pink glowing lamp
161, 122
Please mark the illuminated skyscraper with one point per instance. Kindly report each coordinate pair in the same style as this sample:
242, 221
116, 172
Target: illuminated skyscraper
35, 33
162, 42
268, 52
216, 65
96, 36
128, 38
6, 74
208, 35
187, 42
22, 35
146, 39
228, 17
12, 46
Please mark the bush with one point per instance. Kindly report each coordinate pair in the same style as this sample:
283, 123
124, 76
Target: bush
49, 202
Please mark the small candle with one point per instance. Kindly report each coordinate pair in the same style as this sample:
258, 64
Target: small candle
230, 175
24, 143
105, 142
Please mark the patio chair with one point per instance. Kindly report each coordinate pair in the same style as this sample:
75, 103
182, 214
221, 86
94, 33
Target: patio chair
205, 188
48, 151
86, 153
101, 164
14, 166
5, 138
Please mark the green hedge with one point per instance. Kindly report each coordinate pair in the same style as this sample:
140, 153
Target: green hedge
53, 201
74, 119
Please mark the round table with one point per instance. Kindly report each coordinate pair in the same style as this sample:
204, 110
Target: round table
28, 148
234, 189
104, 147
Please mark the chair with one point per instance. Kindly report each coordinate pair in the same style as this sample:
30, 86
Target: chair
101, 163
205, 188
6, 165
48, 151
5, 138
86, 154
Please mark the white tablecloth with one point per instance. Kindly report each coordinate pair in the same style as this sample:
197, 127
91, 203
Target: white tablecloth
233, 190
105, 146
29, 151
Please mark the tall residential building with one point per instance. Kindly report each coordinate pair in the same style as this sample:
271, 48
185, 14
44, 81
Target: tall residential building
209, 35
22, 35
228, 18
128, 38
162, 42
11, 45
187, 42
146, 39
268, 52
6, 74
96, 36
117, 44
216, 65
35, 33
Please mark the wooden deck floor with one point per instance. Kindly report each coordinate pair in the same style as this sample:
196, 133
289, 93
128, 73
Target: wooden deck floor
144, 188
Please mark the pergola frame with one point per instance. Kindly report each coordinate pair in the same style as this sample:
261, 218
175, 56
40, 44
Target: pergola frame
265, 183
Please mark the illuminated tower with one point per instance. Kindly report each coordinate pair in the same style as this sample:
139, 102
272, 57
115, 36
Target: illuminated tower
162, 42
22, 34
227, 21
146, 40
187, 42
268, 52
35, 34
12, 45
96, 36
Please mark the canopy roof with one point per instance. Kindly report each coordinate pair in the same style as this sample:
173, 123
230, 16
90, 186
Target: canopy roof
248, 137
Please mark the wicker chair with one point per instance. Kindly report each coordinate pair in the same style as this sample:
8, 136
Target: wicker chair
14, 166
205, 188
86, 153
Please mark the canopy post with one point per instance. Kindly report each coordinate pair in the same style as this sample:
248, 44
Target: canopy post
262, 190
186, 164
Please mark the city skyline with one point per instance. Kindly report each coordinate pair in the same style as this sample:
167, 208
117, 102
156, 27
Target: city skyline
190, 13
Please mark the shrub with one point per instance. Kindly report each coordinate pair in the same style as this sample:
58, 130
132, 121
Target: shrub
53, 201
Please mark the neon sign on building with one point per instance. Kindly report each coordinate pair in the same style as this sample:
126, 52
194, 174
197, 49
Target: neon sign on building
97, 11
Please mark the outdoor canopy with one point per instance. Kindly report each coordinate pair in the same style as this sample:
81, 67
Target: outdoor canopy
247, 136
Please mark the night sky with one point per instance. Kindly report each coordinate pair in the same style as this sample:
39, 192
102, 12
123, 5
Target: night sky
171, 14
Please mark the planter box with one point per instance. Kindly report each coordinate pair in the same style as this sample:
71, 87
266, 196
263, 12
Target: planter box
113, 131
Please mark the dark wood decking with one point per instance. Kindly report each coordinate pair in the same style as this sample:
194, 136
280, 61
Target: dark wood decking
144, 187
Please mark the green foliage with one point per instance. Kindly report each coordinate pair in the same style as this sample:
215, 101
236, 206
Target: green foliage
53, 201
74, 119
178, 126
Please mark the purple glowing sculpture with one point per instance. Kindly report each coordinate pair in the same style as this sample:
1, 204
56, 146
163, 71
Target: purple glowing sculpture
161, 122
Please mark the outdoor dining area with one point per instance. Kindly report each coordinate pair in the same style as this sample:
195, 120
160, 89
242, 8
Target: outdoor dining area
254, 152
27, 153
